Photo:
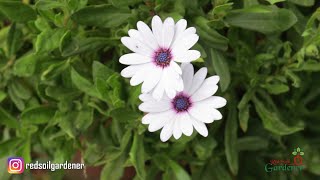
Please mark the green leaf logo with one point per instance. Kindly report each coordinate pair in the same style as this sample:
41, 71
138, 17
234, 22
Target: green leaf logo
298, 151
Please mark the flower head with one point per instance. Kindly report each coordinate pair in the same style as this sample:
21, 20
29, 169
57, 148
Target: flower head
190, 108
156, 53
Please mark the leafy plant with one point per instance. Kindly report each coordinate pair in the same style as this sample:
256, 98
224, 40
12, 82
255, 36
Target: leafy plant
61, 92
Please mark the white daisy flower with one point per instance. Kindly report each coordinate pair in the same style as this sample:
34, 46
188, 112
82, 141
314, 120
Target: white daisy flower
192, 107
156, 53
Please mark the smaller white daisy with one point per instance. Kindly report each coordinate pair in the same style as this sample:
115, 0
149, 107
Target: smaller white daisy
192, 107
156, 53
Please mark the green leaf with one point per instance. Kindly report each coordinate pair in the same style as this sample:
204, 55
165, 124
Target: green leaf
17, 11
72, 46
244, 117
125, 115
83, 84
48, 4
113, 170
3, 169
218, 172
54, 70
14, 39
252, 143
10, 146
178, 171
210, 36
309, 65
272, 122
111, 90
243, 108
275, 1
37, 115
123, 3
24, 150
20, 90
25, 66
218, 63
100, 71
84, 119
204, 146
307, 3
48, 40
276, 88
65, 121
263, 19
101, 16
230, 140
7, 119
3, 95
137, 155
15, 98
295, 79
61, 93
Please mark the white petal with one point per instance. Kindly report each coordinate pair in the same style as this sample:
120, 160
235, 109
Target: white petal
151, 117
157, 120
190, 30
137, 46
167, 131
180, 85
187, 75
180, 26
176, 129
171, 82
185, 123
188, 56
214, 102
147, 34
167, 32
152, 78
185, 41
138, 77
207, 89
204, 113
157, 29
146, 97
176, 67
183, 65
200, 127
179, 36
171, 93
159, 89
137, 36
217, 114
198, 79
155, 106
133, 69
134, 58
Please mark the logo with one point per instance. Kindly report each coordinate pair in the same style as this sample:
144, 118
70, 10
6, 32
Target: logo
286, 164
15, 165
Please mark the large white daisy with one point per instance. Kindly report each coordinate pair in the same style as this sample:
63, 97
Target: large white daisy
156, 53
192, 107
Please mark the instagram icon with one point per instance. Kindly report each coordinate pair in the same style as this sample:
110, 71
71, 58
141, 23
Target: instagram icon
15, 165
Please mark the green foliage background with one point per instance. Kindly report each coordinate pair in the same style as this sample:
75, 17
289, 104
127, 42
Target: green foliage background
61, 92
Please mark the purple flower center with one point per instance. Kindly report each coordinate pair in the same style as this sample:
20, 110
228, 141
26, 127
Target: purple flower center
181, 103
162, 57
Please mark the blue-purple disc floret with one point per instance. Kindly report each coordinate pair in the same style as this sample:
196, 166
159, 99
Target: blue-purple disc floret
181, 103
162, 57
